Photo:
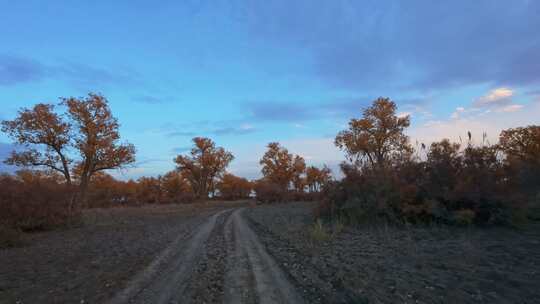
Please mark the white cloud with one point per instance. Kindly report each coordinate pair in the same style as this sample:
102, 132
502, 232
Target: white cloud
246, 127
457, 112
511, 108
497, 100
477, 122
496, 97
404, 114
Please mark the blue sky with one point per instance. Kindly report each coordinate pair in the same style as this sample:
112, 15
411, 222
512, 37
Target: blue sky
249, 72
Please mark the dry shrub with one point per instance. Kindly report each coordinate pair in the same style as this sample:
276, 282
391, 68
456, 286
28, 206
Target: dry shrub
105, 191
318, 233
10, 237
34, 201
472, 186
187, 197
385, 179
232, 187
268, 192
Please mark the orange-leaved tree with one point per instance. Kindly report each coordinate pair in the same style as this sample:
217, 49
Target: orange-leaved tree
298, 178
46, 137
96, 138
175, 187
78, 145
317, 178
278, 166
377, 137
234, 187
204, 165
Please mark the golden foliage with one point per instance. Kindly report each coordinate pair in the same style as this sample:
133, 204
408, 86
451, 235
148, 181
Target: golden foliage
205, 164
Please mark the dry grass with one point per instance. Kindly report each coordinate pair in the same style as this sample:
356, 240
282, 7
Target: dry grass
10, 237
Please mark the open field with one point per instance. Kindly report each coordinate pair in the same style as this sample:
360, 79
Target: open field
92, 262
390, 265
242, 253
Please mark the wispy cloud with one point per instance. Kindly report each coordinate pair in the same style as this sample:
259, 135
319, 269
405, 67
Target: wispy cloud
511, 108
15, 70
338, 108
151, 99
498, 100
477, 122
243, 129
179, 150
20, 70
146, 161
495, 97
208, 128
183, 133
280, 111
423, 45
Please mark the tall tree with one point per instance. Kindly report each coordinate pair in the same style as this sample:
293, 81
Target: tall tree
521, 143
317, 178
204, 165
299, 170
96, 137
278, 165
442, 166
44, 135
88, 133
234, 187
522, 149
174, 186
376, 137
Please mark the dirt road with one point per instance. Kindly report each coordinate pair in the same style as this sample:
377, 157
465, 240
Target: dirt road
221, 260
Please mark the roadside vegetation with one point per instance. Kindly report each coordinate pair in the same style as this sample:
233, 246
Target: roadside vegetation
470, 182
66, 152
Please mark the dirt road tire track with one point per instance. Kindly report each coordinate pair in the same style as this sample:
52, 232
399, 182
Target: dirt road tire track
165, 279
221, 261
251, 268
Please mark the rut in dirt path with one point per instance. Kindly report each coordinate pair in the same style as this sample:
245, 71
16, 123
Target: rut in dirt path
166, 278
220, 261
252, 274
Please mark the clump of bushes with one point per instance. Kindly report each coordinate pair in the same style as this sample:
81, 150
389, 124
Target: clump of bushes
287, 178
269, 192
106, 191
385, 178
32, 201
232, 187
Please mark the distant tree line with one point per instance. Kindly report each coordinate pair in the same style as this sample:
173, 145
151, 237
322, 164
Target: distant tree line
67, 149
